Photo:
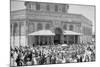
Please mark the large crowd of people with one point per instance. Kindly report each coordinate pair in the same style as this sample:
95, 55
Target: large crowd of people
52, 54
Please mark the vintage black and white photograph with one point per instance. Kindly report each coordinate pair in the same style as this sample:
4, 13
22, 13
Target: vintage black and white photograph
44, 33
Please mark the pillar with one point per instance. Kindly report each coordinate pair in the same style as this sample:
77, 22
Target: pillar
52, 40
19, 30
62, 39
39, 39
26, 37
74, 39
67, 37
78, 39
12, 36
47, 40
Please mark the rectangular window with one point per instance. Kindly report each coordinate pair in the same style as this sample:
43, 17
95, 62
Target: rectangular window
48, 7
63, 8
37, 6
56, 8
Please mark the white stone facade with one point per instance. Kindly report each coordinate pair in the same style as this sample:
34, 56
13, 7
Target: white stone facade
25, 18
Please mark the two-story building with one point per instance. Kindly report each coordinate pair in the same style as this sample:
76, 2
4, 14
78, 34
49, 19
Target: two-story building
52, 21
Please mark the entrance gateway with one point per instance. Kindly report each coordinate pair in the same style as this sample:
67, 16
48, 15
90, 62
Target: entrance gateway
49, 38
58, 36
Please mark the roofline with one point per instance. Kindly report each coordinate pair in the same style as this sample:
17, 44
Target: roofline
79, 15
17, 10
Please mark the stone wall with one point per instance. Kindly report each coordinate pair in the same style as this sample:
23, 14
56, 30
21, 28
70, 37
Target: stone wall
18, 41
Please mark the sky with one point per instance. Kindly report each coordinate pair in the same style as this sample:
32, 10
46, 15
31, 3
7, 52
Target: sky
86, 10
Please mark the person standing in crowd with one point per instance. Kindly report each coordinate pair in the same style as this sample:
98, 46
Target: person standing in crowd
53, 60
28, 57
34, 61
13, 63
19, 60
42, 60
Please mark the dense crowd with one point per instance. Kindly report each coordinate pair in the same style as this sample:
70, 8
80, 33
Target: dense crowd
52, 54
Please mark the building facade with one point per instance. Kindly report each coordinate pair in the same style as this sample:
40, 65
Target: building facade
47, 16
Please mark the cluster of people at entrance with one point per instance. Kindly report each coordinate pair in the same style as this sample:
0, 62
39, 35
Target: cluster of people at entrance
52, 54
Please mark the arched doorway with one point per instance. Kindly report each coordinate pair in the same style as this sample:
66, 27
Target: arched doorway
58, 36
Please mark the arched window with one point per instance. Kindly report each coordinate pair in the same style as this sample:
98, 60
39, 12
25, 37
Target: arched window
58, 31
65, 27
71, 27
31, 27
47, 26
39, 26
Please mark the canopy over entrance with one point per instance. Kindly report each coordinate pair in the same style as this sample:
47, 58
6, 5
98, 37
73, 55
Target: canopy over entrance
42, 37
42, 32
71, 37
47, 37
71, 33
48, 32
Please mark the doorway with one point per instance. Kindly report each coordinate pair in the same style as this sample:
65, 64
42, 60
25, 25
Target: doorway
58, 35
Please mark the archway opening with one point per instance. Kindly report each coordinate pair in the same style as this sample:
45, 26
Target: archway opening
58, 35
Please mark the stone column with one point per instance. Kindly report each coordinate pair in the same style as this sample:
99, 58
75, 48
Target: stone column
74, 39
25, 33
62, 39
19, 27
78, 40
12, 36
52, 40
16, 35
67, 37
39, 39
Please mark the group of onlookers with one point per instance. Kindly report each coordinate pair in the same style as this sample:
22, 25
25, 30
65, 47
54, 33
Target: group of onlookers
55, 54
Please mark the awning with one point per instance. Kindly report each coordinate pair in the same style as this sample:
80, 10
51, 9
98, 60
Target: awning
71, 33
64, 45
42, 32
